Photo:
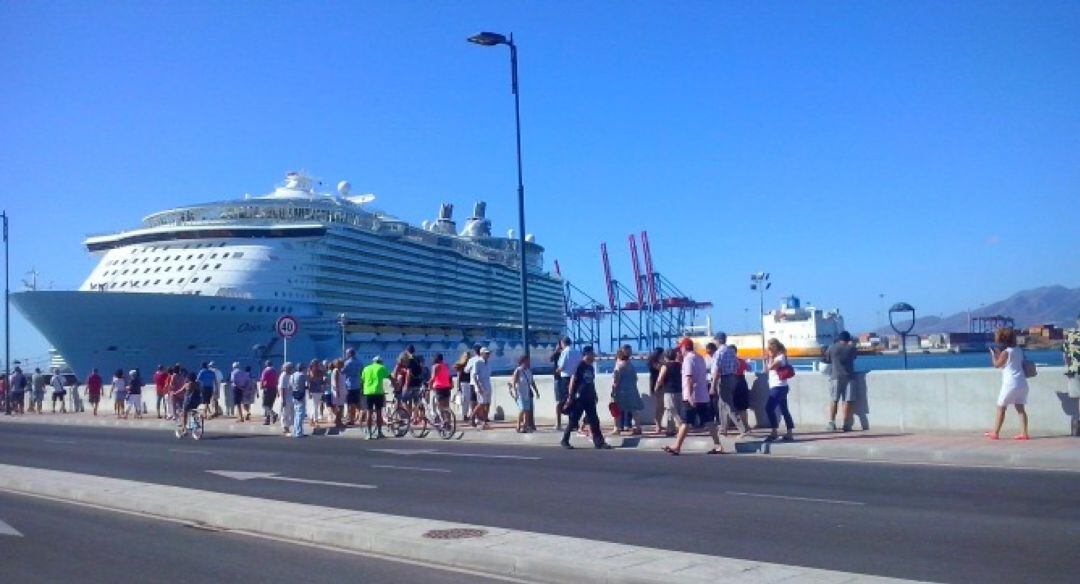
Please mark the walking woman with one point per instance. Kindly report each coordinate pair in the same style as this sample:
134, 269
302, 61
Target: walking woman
669, 390
624, 391
337, 386
464, 384
779, 373
1014, 386
119, 393
655, 363
315, 379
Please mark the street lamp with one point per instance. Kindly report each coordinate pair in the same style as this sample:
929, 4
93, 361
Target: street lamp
7, 321
902, 328
343, 320
491, 39
760, 282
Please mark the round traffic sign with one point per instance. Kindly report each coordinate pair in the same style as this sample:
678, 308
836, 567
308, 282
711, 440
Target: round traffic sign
287, 327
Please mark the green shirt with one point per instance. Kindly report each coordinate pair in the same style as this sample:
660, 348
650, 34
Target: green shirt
373, 376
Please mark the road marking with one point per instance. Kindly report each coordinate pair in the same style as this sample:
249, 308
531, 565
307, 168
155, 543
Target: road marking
273, 476
411, 452
190, 451
416, 468
6, 529
808, 499
61, 441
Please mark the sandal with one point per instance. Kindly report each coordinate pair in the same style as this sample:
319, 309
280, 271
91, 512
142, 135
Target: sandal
1021, 437
990, 435
716, 451
671, 451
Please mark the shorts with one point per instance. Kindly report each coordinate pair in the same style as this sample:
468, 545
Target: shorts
411, 395
269, 397
483, 395
134, 400
699, 414
59, 395
673, 408
38, 396
467, 396
525, 402
374, 403
352, 397
842, 388
443, 395
207, 394
237, 395
562, 389
93, 397
192, 402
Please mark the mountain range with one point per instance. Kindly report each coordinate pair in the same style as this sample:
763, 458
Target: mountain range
1055, 305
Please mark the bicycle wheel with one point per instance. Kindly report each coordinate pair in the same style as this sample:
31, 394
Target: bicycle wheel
419, 427
446, 424
398, 422
197, 426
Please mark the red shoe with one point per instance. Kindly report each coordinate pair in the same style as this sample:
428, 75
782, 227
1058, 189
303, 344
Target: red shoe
1021, 437
991, 435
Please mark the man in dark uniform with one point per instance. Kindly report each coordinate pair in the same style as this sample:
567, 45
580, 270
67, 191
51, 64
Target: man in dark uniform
582, 400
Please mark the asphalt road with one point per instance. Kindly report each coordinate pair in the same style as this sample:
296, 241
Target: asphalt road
930, 523
62, 542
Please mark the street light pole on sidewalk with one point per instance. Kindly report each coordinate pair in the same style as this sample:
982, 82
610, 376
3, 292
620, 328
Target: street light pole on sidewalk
7, 320
491, 39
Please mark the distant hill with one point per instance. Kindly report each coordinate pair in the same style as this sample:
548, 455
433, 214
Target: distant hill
1056, 305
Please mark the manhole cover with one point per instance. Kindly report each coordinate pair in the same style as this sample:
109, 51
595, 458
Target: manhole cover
457, 533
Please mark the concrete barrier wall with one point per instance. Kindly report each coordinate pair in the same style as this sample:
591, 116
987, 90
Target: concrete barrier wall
928, 400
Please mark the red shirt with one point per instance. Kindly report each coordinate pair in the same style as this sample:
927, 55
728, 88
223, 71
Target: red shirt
161, 380
441, 375
743, 367
269, 378
93, 383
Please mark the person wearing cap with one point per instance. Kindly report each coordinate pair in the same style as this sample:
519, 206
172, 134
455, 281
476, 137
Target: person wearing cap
480, 371
374, 377
59, 392
581, 400
695, 394
840, 356
240, 379
569, 358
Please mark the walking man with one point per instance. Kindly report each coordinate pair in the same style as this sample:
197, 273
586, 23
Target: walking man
268, 385
59, 392
725, 379
696, 395
582, 400
841, 356
480, 371
298, 382
93, 389
350, 373
285, 386
569, 359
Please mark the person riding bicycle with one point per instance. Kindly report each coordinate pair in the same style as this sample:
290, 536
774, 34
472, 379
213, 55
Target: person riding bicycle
440, 381
192, 396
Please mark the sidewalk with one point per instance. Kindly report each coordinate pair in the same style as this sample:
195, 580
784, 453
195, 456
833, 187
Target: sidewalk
1059, 453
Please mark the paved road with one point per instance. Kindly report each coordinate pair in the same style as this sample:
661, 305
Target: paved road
72, 543
942, 524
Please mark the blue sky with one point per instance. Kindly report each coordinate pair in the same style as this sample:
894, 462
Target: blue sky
929, 151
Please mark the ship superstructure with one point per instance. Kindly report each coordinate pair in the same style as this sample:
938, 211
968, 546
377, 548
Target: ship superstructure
207, 282
804, 330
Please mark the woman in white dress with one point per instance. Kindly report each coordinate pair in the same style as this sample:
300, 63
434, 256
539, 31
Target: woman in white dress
1014, 386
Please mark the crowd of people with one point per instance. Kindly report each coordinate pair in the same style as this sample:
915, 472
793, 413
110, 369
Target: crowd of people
690, 390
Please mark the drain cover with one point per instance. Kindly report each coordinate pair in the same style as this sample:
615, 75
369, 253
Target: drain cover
456, 533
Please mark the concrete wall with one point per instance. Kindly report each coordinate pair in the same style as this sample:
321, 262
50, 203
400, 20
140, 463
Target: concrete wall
928, 400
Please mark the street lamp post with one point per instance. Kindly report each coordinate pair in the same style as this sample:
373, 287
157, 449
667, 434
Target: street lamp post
491, 39
343, 320
760, 282
7, 321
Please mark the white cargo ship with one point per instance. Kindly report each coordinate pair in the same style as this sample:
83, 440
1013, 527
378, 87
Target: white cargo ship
208, 282
804, 331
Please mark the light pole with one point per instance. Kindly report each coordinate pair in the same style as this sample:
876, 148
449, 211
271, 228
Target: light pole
343, 320
760, 282
902, 328
7, 320
491, 39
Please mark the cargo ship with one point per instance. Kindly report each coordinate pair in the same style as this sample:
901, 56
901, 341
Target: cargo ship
805, 330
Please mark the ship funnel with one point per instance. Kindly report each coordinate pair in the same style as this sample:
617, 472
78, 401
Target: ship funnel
477, 225
479, 209
444, 224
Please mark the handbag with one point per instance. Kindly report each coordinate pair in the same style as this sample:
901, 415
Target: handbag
1030, 370
785, 373
613, 409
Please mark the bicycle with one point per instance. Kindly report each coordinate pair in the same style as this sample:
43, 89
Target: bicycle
196, 423
428, 413
396, 418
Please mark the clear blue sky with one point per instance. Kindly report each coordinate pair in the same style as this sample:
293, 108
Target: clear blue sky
927, 151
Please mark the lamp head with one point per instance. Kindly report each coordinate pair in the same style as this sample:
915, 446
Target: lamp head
488, 39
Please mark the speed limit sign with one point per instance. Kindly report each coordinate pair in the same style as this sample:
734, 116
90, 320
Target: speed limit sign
287, 327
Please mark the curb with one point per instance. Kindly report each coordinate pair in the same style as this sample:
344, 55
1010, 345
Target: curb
499, 552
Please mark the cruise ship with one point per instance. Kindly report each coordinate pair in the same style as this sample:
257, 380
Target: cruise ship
804, 330
208, 282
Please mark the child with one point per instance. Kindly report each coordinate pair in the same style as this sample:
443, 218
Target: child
523, 388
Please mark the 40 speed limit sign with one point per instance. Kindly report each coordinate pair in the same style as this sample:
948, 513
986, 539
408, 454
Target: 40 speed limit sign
287, 327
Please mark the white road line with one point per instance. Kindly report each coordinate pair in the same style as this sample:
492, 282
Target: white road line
416, 468
273, 476
190, 451
433, 452
50, 441
808, 499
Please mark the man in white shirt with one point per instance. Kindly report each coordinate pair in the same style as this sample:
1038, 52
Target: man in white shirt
569, 359
285, 386
480, 372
